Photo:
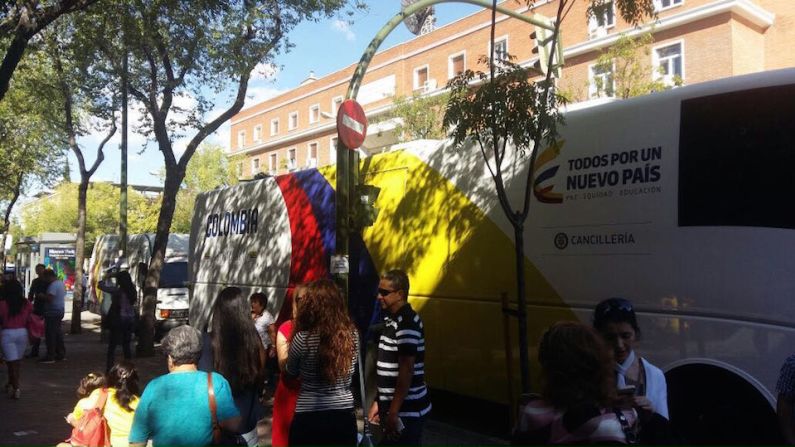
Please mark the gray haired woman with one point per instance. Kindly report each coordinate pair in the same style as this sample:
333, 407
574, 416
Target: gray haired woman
173, 409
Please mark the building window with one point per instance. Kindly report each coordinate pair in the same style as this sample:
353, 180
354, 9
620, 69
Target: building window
258, 134
500, 50
421, 77
254, 166
311, 155
336, 102
291, 161
659, 5
292, 122
273, 163
456, 64
668, 63
600, 82
332, 144
239, 169
599, 24
274, 126
241, 139
314, 113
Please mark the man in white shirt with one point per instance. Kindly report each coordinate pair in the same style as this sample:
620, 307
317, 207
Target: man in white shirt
54, 304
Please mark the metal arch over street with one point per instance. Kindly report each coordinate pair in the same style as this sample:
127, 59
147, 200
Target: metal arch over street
369, 52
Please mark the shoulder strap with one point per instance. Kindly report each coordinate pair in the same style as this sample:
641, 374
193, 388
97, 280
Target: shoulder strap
211, 393
213, 409
641, 391
629, 433
365, 410
103, 398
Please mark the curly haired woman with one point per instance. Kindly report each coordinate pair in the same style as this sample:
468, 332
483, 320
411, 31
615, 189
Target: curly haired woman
323, 353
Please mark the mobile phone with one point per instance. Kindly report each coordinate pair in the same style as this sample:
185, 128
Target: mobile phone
400, 425
627, 391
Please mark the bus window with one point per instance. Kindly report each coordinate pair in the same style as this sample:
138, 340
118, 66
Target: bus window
736, 153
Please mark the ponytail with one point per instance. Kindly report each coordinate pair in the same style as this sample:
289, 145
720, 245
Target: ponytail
124, 378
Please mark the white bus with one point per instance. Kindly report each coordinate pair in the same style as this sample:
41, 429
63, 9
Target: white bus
678, 201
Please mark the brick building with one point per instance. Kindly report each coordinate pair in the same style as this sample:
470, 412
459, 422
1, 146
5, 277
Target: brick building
695, 40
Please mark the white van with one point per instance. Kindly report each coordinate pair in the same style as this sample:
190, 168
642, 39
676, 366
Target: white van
679, 201
171, 309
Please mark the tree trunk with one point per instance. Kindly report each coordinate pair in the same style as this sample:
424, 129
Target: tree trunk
12, 57
146, 335
7, 220
524, 357
80, 254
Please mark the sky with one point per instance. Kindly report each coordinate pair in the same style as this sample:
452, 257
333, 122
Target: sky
311, 40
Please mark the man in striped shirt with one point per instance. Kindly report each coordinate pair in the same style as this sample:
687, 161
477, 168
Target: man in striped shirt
402, 401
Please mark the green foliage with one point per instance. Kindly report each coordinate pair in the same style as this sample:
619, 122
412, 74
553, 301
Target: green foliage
628, 60
31, 148
420, 117
209, 168
58, 212
510, 107
632, 11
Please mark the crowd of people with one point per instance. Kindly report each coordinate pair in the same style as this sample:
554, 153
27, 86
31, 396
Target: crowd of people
596, 387
213, 391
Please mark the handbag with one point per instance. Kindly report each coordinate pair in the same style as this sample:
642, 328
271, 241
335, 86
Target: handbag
220, 435
35, 326
92, 429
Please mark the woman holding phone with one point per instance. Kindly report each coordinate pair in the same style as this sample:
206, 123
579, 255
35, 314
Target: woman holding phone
636, 378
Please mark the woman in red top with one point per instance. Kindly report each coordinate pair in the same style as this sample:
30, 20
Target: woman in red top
287, 388
14, 313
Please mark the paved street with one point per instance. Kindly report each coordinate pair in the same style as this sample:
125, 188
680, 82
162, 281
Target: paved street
48, 395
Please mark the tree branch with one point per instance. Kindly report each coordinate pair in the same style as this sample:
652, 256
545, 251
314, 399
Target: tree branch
204, 132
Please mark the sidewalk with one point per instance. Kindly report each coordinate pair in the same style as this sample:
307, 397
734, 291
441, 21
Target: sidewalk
48, 394
48, 390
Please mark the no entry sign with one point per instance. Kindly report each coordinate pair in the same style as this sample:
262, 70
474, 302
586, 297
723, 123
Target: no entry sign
351, 124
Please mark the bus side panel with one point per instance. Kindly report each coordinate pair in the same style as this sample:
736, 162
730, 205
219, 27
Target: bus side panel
459, 263
240, 236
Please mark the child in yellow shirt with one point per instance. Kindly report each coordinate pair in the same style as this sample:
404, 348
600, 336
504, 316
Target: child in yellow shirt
123, 392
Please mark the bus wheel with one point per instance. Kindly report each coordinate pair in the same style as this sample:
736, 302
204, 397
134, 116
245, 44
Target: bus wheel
710, 405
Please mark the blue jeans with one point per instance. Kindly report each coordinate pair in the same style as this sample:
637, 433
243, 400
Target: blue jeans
53, 336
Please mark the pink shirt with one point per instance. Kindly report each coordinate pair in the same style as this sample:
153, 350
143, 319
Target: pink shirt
17, 321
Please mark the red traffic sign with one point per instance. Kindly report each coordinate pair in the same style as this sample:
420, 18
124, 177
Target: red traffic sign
351, 124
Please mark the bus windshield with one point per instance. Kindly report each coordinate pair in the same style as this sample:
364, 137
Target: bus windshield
174, 274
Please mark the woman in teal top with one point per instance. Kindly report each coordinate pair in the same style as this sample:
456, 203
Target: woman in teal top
174, 409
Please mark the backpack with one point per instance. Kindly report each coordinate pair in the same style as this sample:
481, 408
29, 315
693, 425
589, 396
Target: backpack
92, 429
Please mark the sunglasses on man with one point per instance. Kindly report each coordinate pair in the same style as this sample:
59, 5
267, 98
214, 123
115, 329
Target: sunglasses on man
386, 292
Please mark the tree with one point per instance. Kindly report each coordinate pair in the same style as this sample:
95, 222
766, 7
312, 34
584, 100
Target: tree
20, 22
179, 51
415, 121
89, 102
31, 149
510, 106
58, 212
208, 169
632, 74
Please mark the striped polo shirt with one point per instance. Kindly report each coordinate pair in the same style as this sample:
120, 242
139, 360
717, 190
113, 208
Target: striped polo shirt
403, 335
316, 393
